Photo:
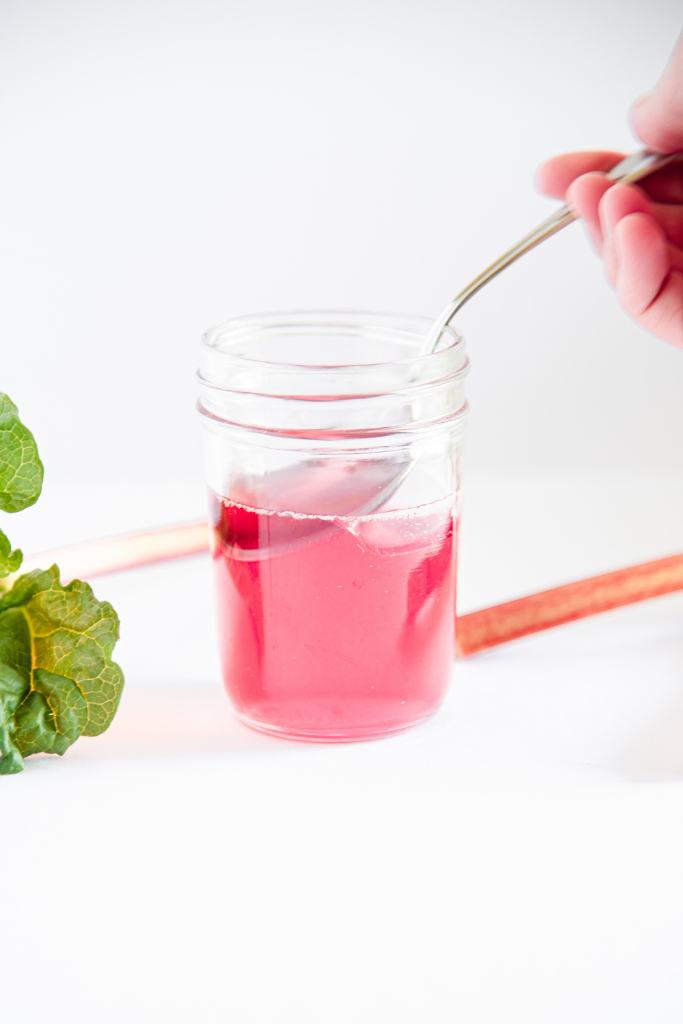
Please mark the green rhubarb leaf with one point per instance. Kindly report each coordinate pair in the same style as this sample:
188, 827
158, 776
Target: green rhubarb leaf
56, 644
51, 717
9, 560
12, 689
21, 471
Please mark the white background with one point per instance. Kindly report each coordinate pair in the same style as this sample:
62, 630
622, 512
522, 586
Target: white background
165, 166
168, 165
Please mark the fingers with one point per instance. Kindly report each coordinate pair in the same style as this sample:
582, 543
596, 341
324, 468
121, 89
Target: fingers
556, 175
600, 204
584, 196
665, 316
618, 203
658, 117
641, 261
647, 271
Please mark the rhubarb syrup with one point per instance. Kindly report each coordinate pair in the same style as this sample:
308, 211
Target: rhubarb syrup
335, 627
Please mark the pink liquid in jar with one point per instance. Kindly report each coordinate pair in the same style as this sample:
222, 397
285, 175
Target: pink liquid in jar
335, 628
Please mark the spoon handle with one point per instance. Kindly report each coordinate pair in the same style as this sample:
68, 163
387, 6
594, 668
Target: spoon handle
631, 168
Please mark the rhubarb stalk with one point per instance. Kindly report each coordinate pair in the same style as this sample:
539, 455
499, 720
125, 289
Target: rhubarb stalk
513, 619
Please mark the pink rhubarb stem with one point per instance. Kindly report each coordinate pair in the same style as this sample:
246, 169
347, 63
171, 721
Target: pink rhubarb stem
128, 551
503, 622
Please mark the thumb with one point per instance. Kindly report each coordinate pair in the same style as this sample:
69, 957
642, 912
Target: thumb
658, 116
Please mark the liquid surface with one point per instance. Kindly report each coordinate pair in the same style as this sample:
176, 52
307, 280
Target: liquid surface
335, 628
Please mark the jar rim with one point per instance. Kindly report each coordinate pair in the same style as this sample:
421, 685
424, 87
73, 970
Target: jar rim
388, 325
293, 396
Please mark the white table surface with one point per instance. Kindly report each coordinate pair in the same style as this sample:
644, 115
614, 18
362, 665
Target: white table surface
519, 858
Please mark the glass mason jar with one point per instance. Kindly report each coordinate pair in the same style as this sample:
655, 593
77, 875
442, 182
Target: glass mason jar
333, 464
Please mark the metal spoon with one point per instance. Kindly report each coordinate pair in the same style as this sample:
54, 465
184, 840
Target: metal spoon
631, 168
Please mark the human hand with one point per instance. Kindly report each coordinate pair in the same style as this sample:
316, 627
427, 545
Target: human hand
638, 230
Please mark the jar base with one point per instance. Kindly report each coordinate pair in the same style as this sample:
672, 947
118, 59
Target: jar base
358, 734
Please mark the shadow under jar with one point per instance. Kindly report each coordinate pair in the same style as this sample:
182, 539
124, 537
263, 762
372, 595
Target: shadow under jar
333, 465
